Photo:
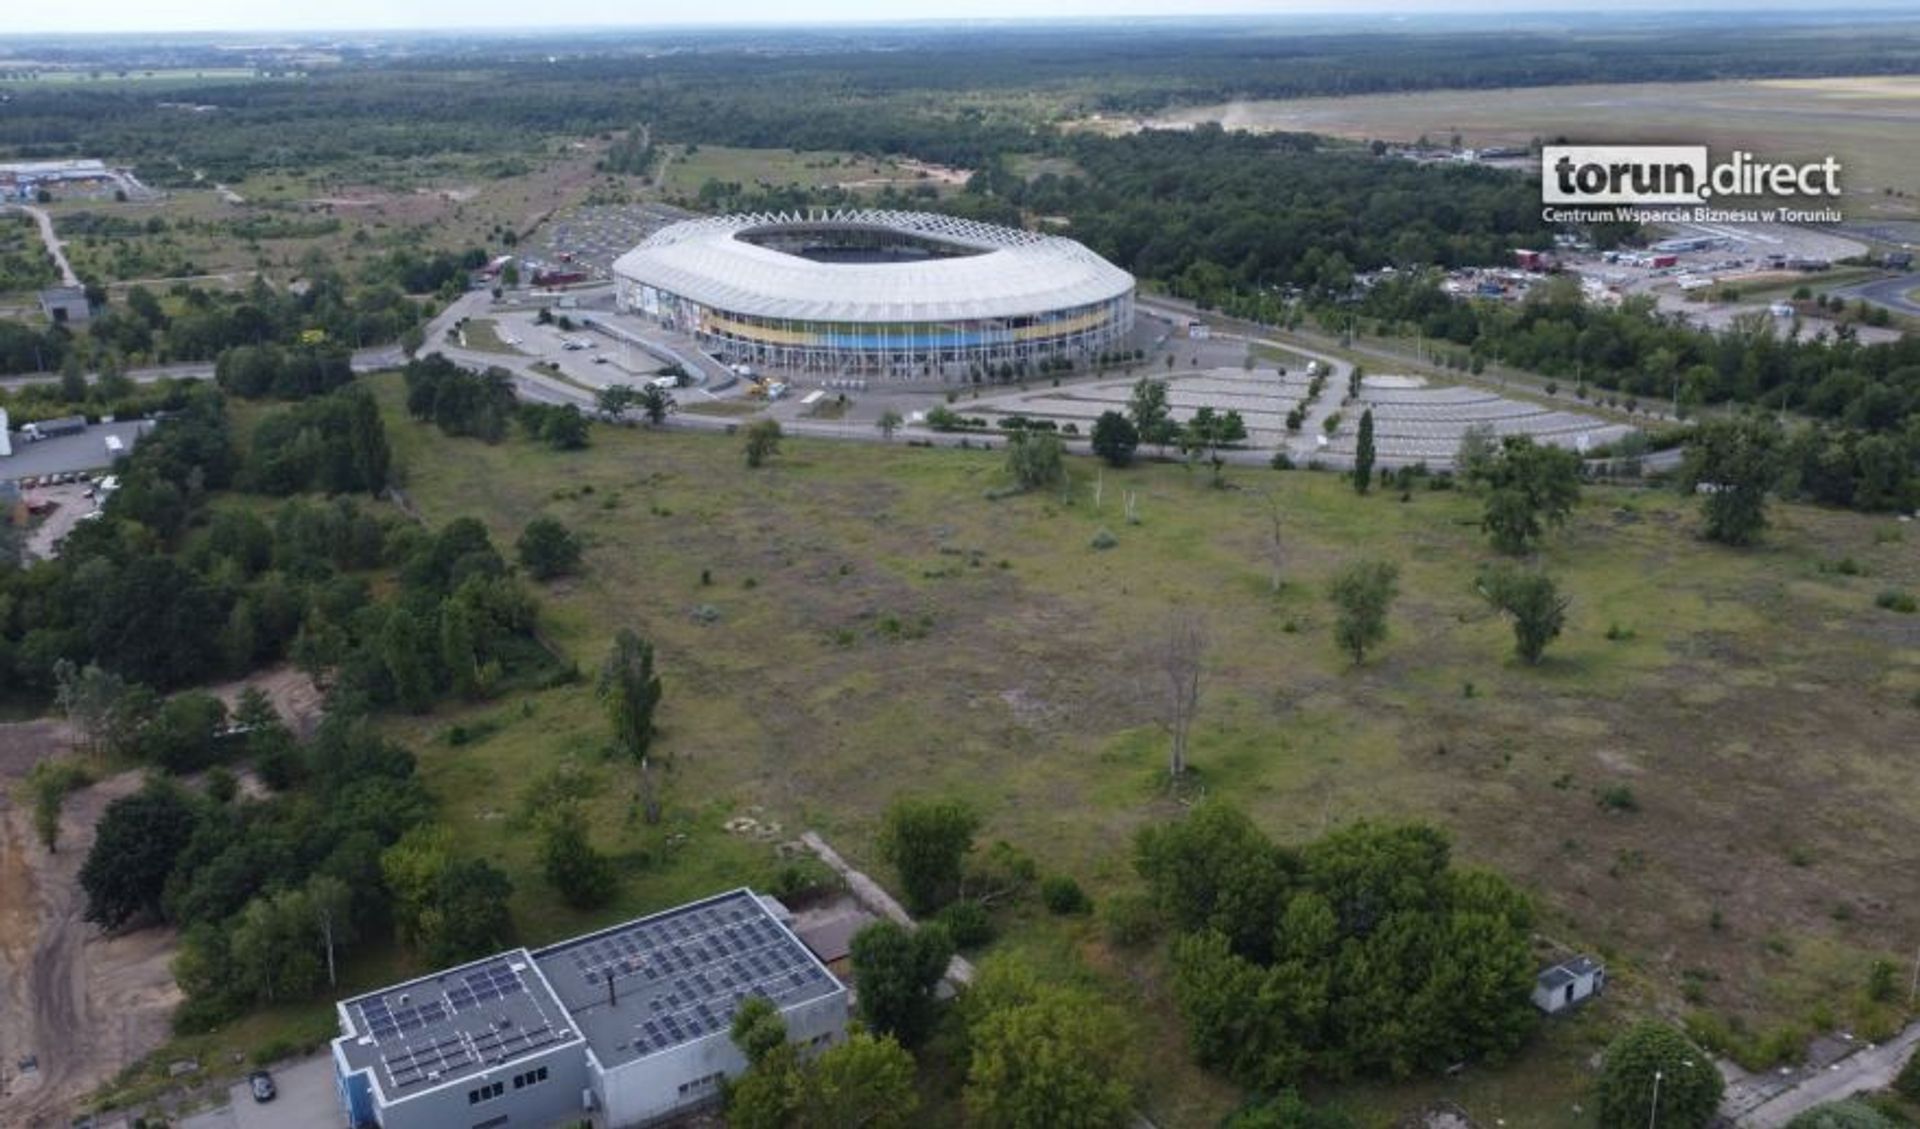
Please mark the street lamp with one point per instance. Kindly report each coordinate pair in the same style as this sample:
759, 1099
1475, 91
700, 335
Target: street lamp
1653, 1110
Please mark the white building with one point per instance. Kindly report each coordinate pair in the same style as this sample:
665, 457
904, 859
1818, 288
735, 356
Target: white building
630, 1024
1564, 985
855, 291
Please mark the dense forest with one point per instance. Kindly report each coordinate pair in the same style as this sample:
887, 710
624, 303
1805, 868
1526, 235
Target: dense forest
188, 576
957, 96
326, 310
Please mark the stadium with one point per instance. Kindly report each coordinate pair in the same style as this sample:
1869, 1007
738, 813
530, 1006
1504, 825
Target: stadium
892, 293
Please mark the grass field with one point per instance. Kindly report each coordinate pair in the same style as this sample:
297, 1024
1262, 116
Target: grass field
1869, 123
683, 172
857, 622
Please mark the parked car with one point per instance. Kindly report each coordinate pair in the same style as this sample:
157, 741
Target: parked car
262, 1085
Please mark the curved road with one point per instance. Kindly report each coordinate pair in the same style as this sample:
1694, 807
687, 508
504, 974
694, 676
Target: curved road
1892, 292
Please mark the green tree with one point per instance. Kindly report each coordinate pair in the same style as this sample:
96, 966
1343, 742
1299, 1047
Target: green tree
1115, 438
888, 423
1362, 593
926, 842
1649, 1055
564, 428
547, 549
135, 845
408, 648
763, 441
758, 1029
1531, 601
615, 400
1035, 459
584, 877
631, 692
866, 1082
1363, 454
1907, 1082
471, 918
656, 403
1148, 408
410, 869
1529, 486
896, 971
272, 948
73, 379
50, 782
1734, 465
1043, 1055
330, 900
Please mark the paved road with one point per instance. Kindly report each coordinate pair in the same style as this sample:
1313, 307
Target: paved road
1872, 1068
67, 277
1889, 292
308, 1099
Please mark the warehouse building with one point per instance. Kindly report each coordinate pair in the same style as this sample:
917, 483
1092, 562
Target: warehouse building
629, 1025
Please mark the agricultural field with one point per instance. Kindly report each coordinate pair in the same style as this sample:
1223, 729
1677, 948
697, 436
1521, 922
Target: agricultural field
1800, 119
859, 622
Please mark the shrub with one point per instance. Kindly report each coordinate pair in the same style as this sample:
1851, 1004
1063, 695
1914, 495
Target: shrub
968, 923
1618, 797
1062, 895
1104, 539
1895, 600
1130, 919
1907, 1083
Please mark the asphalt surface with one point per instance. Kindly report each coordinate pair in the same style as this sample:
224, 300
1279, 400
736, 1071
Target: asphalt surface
64, 453
1870, 1068
308, 1098
1889, 292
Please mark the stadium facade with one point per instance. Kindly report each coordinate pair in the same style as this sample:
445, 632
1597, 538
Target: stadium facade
864, 291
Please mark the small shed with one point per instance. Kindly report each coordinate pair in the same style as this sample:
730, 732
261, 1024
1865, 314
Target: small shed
1568, 984
66, 305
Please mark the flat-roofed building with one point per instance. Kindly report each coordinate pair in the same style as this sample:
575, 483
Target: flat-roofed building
632, 1022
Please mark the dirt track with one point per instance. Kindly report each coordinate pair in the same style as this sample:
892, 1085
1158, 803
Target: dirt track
79, 1004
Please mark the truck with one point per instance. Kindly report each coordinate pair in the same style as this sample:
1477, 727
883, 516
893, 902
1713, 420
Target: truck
115, 448
1662, 262
51, 428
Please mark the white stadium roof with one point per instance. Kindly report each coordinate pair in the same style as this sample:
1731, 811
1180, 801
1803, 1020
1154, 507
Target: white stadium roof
1014, 273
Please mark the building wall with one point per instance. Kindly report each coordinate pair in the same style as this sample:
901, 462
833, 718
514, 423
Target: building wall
648, 1089
538, 1106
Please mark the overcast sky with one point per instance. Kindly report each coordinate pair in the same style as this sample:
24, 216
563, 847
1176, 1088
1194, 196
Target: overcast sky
31, 16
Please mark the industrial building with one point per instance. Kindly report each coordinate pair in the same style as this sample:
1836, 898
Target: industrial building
628, 1025
66, 305
19, 180
884, 292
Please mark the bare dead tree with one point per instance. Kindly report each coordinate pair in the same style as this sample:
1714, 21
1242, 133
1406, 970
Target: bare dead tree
1183, 655
1276, 546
